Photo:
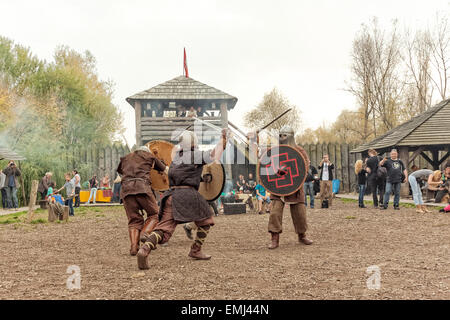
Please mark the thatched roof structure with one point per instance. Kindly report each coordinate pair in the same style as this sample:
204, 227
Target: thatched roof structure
183, 88
429, 130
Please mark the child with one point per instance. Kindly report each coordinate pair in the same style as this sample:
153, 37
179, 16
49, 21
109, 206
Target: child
261, 196
50, 189
361, 173
70, 192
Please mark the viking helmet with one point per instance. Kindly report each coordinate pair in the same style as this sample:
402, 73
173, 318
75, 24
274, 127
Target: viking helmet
286, 135
143, 148
188, 140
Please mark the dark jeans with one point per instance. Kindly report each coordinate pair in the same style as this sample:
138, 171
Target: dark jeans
389, 187
116, 192
4, 198
43, 194
362, 191
309, 190
69, 203
11, 197
77, 196
376, 187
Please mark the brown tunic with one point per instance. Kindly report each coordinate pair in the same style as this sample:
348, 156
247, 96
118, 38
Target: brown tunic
299, 195
135, 170
186, 170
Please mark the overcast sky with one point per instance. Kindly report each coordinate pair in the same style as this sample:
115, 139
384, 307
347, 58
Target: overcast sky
244, 48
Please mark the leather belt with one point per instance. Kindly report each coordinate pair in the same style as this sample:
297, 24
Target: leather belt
181, 187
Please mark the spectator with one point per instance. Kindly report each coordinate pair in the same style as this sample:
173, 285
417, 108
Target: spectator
326, 179
251, 184
70, 192
116, 189
3, 189
11, 184
50, 189
77, 182
443, 195
93, 187
191, 113
105, 184
240, 183
159, 112
200, 112
181, 111
44, 185
396, 174
414, 179
309, 185
376, 182
434, 184
261, 197
361, 172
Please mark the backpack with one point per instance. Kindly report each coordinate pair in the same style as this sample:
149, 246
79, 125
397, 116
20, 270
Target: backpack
381, 172
325, 204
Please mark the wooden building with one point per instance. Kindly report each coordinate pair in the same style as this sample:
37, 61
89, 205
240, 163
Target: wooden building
156, 109
427, 132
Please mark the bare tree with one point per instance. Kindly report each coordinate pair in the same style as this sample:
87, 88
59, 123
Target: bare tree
417, 58
272, 105
440, 55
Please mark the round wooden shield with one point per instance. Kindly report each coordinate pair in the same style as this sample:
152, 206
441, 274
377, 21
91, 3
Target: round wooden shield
282, 170
213, 181
163, 151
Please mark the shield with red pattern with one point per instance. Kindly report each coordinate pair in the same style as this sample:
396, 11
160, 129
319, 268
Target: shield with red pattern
282, 170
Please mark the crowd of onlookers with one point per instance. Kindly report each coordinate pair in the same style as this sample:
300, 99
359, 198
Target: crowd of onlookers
180, 111
384, 176
9, 183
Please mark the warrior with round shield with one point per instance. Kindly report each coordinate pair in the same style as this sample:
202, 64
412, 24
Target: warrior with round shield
282, 171
137, 193
182, 202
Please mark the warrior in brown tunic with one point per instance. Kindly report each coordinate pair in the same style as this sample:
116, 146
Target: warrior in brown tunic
296, 201
137, 193
182, 202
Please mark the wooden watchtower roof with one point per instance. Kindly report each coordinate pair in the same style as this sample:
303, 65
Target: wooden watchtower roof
183, 88
156, 108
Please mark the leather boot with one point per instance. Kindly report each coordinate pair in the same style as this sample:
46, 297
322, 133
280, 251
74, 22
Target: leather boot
275, 240
134, 239
149, 225
142, 255
196, 253
303, 239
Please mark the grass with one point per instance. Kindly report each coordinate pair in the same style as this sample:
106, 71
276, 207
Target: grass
40, 216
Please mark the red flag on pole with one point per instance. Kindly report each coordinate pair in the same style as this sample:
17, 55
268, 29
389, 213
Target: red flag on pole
186, 73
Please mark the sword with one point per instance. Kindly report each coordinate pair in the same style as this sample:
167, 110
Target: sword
264, 127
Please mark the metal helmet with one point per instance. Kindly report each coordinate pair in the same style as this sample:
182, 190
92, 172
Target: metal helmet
286, 135
287, 130
143, 148
188, 140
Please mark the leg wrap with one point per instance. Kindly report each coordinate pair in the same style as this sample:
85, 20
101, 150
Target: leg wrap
202, 232
153, 239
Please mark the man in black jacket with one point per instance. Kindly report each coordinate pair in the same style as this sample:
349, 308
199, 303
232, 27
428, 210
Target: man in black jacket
326, 179
375, 182
309, 185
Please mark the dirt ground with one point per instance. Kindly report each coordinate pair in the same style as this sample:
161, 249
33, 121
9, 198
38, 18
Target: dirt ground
410, 249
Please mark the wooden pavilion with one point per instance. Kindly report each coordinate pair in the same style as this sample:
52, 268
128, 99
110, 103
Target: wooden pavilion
156, 108
429, 131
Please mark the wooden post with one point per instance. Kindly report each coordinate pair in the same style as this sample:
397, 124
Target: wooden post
137, 112
33, 194
344, 158
403, 154
22, 186
224, 114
